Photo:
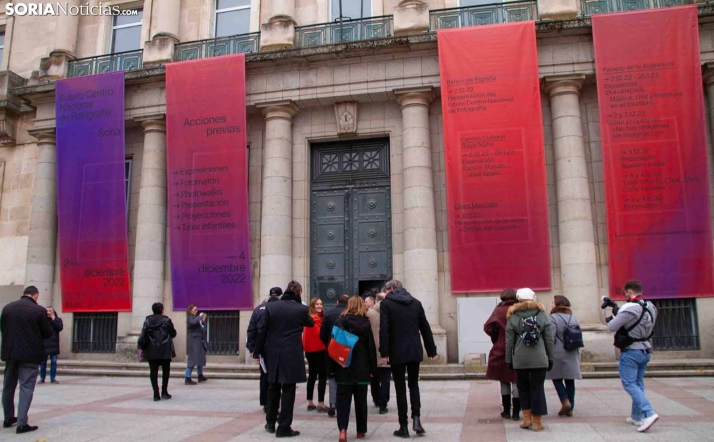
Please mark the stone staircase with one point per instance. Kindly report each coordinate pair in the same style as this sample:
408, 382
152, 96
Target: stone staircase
597, 370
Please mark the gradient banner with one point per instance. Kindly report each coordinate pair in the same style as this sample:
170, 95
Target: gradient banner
208, 184
654, 151
91, 194
495, 160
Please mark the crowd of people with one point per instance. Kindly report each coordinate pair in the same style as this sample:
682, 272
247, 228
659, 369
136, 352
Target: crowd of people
386, 329
530, 346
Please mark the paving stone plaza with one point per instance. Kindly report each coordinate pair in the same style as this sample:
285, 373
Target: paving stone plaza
121, 409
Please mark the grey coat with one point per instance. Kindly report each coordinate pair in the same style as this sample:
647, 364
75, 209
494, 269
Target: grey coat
518, 353
196, 341
567, 363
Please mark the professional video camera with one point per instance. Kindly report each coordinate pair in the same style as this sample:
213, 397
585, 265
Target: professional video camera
607, 302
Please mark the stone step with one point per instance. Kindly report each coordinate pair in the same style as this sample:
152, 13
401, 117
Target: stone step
602, 370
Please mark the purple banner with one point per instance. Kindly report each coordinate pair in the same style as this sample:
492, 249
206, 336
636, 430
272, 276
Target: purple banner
91, 195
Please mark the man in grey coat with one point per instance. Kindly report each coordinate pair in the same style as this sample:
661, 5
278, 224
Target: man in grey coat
637, 319
24, 327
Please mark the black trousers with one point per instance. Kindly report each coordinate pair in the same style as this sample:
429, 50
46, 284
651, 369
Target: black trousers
530, 389
398, 372
317, 371
263, 388
345, 392
380, 386
154, 365
281, 396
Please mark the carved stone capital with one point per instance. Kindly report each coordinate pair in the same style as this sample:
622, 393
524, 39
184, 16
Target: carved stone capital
420, 96
285, 109
44, 135
563, 84
152, 123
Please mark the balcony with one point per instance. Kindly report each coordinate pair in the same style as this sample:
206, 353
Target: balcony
370, 28
490, 14
121, 61
215, 47
591, 7
344, 31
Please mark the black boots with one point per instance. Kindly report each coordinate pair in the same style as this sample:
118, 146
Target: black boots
506, 402
516, 409
416, 425
189, 381
402, 432
202, 378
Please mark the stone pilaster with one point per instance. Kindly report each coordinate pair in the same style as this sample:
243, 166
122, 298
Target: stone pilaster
64, 45
411, 17
578, 257
164, 35
276, 251
150, 256
420, 258
42, 237
279, 31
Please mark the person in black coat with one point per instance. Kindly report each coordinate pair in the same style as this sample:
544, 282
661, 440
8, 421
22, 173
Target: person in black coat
280, 343
354, 380
325, 333
24, 326
402, 320
52, 348
253, 327
156, 341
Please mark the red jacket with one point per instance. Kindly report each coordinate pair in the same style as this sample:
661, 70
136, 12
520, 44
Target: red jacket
311, 341
495, 327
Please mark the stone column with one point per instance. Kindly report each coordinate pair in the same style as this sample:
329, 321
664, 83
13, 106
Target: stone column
421, 272
276, 242
42, 237
150, 255
279, 31
578, 257
164, 35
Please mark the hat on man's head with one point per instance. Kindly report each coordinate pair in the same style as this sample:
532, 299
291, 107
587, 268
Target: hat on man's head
525, 294
276, 291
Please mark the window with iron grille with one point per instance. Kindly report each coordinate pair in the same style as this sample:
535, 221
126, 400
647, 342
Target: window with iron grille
94, 333
676, 327
222, 331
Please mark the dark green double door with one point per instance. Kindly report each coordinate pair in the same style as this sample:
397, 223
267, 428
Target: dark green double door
351, 223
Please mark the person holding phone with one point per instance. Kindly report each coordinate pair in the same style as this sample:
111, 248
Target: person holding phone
197, 344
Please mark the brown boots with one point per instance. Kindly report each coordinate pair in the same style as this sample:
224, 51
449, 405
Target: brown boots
566, 409
531, 422
537, 425
526, 422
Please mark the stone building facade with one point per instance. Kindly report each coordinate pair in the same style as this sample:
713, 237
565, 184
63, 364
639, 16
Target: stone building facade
301, 85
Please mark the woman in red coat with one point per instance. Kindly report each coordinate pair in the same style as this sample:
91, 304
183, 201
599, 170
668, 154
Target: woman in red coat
497, 370
315, 352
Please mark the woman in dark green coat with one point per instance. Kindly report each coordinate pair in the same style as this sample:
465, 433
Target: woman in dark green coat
529, 351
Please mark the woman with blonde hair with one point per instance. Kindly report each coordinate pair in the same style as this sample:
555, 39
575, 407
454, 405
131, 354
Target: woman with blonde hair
354, 380
315, 353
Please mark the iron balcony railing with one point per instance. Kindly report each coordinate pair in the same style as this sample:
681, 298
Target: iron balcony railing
490, 14
121, 61
343, 31
676, 327
591, 7
215, 47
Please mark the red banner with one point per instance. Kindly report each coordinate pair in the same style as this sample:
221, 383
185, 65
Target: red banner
495, 161
654, 151
208, 184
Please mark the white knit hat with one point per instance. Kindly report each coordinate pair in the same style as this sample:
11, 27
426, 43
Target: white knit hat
525, 294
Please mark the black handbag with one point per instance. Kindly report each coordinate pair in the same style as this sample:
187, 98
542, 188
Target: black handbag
622, 335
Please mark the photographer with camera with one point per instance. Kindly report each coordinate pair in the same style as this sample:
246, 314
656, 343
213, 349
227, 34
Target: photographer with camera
633, 324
